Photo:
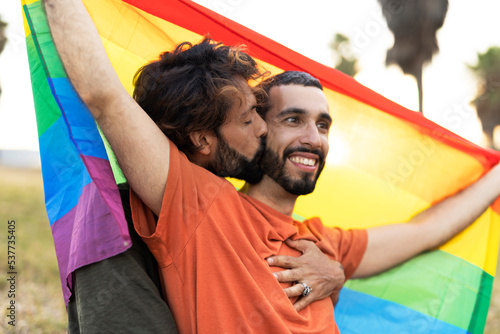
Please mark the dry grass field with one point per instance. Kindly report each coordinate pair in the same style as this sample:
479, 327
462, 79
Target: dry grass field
39, 304
38, 301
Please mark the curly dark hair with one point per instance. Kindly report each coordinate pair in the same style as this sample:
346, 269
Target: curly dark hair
193, 87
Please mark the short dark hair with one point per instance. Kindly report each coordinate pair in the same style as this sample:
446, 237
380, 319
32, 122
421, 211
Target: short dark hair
193, 87
282, 79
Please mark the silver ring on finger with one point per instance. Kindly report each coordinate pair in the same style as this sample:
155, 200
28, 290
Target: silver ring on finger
307, 289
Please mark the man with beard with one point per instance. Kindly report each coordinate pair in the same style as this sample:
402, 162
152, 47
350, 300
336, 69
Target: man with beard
199, 97
296, 112
210, 241
259, 224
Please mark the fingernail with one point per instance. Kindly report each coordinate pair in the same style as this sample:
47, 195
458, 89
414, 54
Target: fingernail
270, 260
275, 275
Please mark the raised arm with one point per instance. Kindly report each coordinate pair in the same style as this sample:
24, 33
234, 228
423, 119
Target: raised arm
141, 148
391, 245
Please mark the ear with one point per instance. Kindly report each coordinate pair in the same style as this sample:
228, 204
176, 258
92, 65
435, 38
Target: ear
205, 141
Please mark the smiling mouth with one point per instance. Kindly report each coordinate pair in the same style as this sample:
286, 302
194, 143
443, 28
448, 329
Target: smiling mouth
303, 161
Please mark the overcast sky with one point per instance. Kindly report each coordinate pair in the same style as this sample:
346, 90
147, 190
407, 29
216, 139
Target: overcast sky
308, 27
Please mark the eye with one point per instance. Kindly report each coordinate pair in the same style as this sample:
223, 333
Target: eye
323, 125
291, 119
251, 116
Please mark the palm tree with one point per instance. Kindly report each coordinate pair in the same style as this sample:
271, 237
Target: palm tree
3, 40
414, 24
346, 61
487, 100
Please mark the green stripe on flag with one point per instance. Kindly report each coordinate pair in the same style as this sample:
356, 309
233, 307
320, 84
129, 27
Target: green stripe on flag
47, 110
451, 287
40, 29
42, 56
482, 305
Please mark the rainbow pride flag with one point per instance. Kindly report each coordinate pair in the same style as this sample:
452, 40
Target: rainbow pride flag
386, 164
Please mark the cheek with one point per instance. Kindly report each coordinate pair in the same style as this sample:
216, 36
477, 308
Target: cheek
244, 142
234, 135
326, 147
271, 140
279, 138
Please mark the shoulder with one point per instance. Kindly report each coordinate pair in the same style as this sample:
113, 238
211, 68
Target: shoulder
337, 235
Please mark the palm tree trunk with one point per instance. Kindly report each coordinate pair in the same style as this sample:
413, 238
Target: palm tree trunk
418, 76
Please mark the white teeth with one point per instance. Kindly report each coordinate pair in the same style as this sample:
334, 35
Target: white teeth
303, 161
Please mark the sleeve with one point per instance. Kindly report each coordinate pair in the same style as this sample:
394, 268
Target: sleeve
353, 245
189, 192
348, 246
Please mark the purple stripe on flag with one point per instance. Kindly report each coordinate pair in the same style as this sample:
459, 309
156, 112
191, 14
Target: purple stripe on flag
101, 173
90, 232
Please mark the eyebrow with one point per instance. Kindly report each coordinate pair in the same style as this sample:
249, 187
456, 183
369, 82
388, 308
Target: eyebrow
299, 111
245, 114
326, 116
290, 111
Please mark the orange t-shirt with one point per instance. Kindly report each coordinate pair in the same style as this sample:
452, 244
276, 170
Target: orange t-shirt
211, 243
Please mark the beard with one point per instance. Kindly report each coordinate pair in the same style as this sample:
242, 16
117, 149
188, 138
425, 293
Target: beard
228, 162
274, 167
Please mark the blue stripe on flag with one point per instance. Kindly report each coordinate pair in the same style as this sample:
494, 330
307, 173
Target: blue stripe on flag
64, 174
355, 314
82, 125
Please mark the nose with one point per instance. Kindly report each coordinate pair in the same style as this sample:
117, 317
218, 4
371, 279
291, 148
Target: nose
311, 136
260, 127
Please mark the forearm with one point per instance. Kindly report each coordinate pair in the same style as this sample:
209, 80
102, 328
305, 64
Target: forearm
391, 245
455, 213
82, 53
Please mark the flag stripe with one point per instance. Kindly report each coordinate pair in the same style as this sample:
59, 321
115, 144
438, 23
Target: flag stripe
201, 20
354, 315
44, 101
480, 314
340, 186
450, 284
82, 236
64, 174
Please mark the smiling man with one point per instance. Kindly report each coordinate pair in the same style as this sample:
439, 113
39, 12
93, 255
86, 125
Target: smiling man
212, 243
193, 111
300, 121
296, 112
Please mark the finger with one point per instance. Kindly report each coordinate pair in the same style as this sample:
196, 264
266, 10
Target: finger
294, 291
300, 245
335, 297
282, 261
285, 276
303, 302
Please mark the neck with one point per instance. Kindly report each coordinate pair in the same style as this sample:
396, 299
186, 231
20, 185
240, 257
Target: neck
272, 194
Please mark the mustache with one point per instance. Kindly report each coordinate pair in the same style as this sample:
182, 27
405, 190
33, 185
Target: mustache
303, 149
260, 151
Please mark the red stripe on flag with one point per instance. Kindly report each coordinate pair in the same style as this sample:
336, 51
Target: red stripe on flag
201, 20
